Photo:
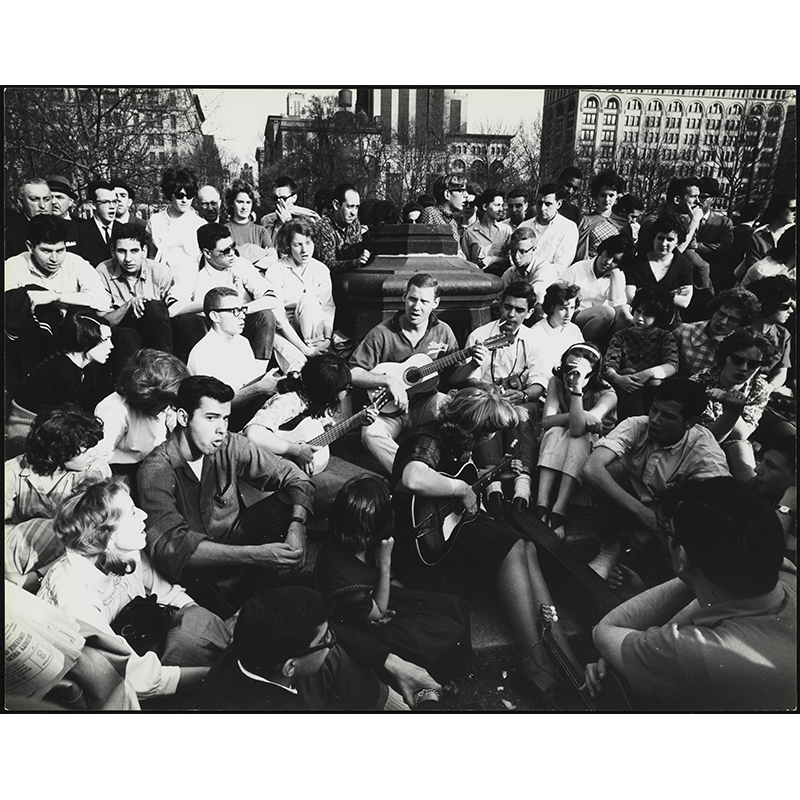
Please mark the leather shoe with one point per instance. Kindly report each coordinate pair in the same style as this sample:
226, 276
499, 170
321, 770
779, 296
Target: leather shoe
519, 504
495, 506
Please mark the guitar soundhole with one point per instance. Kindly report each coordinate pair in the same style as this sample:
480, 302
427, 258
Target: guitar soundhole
413, 375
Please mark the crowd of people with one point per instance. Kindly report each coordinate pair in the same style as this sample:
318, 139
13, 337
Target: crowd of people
175, 384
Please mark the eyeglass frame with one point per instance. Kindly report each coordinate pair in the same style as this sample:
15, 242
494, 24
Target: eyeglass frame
330, 642
183, 194
740, 361
237, 311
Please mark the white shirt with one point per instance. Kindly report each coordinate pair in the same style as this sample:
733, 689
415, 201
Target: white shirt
176, 239
549, 345
606, 291
516, 359
230, 360
556, 243
289, 282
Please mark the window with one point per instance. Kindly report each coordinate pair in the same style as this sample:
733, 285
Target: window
608, 136
160, 140
735, 111
174, 141
591, 102
609, 119
607, 151
674, 108
655, 105
695, 108
587, 135
559, 110
715, 108
151, 139
173, 121
633, 121
633, 105
673, 122
775, 112
757, 111
712, 124
590, 119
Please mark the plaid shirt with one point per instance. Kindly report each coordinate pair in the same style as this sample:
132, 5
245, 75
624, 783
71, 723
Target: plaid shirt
333, 242
636, 350
695, 348
436, 215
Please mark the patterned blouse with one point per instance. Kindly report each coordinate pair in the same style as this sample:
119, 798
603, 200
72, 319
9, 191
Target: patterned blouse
756, 391
635, 350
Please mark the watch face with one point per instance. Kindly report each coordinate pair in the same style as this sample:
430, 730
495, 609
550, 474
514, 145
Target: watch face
784, 510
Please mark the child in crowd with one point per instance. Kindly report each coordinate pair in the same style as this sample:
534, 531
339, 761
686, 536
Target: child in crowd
354, 570
579, 407
641, 356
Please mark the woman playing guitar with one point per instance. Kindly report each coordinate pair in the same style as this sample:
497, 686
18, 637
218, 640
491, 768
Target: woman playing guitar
482, 547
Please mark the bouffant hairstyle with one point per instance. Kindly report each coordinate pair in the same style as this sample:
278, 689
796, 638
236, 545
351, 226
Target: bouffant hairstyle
608, 179
362, 513
559, 294
592, 354
58, 436
82, 331
777, 204
670, 222
150, 379
773, 292
236, 188
743, 339
297, 225
740, 298
472, 413
86, 522
654, 302
176, 178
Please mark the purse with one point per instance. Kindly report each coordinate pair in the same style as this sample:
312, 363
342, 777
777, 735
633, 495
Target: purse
144, 623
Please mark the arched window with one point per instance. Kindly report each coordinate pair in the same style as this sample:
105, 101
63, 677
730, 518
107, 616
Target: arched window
757, 111
560, 110
735, 110
695, 108
655, 105
633, 105
612, 102
477, 172
590, 102
776, 112
716, 108
675, 107
458, 165
571, 105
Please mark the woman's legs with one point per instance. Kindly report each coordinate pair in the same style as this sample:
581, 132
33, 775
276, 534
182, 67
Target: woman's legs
567, 489
547, 482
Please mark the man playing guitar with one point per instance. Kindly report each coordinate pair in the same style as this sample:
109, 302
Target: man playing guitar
414, 330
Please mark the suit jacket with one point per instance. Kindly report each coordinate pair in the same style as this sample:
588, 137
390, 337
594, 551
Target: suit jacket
714, 239
90, 242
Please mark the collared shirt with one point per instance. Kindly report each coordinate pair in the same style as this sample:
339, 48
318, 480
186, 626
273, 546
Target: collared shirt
153, 282
696, 348
389, 342
609, 290
654, 468
231, 360
478, 244
242, 276
539, 277
255, 677
516, 359
332, 244
184, 511
740, 654
75, 275
176, 239
289, 283
555, 243
437, 215
105, 230
549, 344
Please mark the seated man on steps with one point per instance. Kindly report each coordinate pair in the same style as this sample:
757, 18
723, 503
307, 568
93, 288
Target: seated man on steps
413, 331
643, 457
722, 635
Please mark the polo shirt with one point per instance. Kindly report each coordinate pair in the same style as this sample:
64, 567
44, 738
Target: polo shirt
153, 282
653, 468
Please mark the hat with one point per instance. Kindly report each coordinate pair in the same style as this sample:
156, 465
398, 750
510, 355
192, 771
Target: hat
709, 186
58, 183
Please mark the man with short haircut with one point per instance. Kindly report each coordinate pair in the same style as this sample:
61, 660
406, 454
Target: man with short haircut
40, 285
714, 237
697, 342
287, 656
284, 195
338, 237
569, 184
137, 289
208, 204
644, 456
522, 254
776, 481
722, 635
603, 307
33, 198
95, 233
511, 369
556, 236
198, 531
450, 192
414, 330
683, 198
63, 200
517, 205
220, 266
485, 242
224, 353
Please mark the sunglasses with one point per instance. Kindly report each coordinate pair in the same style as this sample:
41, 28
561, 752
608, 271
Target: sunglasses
227, 251
740, 361
785, 307
326, 644
182, 195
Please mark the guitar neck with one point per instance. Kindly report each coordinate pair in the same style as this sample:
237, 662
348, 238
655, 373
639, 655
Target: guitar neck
457, 356
565, 665
488, 477
351, 423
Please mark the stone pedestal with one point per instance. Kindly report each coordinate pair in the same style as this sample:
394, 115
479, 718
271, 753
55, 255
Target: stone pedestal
367, 296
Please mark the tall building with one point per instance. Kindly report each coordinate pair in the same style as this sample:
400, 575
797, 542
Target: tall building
652, 134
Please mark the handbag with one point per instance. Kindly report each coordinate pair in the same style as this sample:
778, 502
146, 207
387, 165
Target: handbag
144, 623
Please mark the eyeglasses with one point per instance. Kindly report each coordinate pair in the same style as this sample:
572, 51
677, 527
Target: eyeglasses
228, 251
277, 198
238, 311
326, 644
785, 307
182, 195
523, 252
740, 361
703, 197
106, 202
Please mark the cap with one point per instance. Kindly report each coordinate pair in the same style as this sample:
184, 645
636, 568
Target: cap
58, 183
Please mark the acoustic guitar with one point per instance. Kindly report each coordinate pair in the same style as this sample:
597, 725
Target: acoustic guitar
420, 373
612, 698
311, 431
435, 521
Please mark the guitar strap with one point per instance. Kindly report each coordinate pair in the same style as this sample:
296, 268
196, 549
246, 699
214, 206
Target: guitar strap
292, 423
588, 595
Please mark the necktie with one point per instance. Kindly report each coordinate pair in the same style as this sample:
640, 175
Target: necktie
106, 234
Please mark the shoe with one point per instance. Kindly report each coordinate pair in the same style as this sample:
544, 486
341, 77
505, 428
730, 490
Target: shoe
519, 504
605, 560
495, 506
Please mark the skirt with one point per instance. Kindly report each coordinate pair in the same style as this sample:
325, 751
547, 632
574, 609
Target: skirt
564, 453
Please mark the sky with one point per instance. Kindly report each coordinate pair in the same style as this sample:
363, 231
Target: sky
237, 117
